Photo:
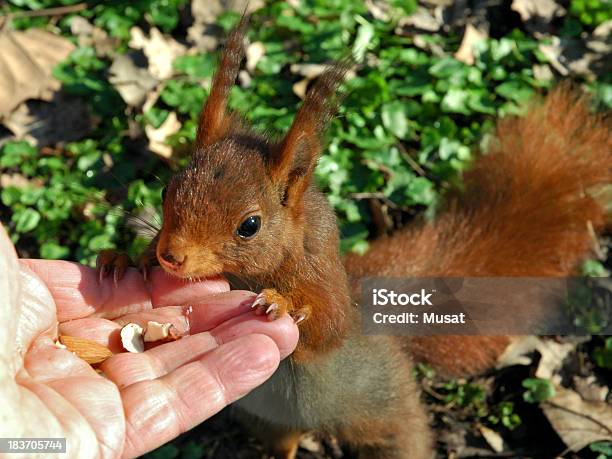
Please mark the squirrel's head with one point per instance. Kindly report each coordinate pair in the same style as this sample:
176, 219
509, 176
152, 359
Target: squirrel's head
238, 206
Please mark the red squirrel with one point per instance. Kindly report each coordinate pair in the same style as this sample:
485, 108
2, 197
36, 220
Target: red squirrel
246, 206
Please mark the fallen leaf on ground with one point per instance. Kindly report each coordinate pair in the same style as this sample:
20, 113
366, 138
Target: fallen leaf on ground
26, 62
589, 389
19, 181
552, 356
544, 10
254, 52
157, 137
309, 72
542, 72
63, 119
421, 41
579, 423
516, 352
204, 32
553, 52
494, 440
471, 36
161, 50
379, 9
90, 35
131, 79
422, 19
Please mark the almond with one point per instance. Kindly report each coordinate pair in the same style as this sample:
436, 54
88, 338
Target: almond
88, 350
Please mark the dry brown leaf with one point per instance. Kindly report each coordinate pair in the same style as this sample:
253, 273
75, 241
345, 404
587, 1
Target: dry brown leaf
544, 10
254, 52
90, 35
422, 19
244, 78
493, 439
589, 389
132, 81
300, 88
579, 423
471, 36
160, 49
63, 119
516, 352
542, 72
552, 356
552, 353
26, 62
157, 137
379, 9
309, 71
553, 52
204, 33
19, 181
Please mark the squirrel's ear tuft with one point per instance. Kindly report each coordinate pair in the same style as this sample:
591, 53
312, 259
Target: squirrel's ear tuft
215, 120
293, 161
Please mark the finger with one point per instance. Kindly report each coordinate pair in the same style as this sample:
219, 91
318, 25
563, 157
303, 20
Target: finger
78, 293
159, 410
214, 310
9, 286
178, 316
103, 331
126, 368
167, 290
45, 362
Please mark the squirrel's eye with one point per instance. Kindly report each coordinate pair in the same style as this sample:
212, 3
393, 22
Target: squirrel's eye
249, 227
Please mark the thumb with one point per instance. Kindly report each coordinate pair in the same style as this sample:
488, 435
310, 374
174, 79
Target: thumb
9, 302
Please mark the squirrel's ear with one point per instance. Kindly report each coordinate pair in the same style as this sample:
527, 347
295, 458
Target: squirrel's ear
293, 161
215, 120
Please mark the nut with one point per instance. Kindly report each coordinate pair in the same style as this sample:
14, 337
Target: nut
132, 338
86, 349
156, 331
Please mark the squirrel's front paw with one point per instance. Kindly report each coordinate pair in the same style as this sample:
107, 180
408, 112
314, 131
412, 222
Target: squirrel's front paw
274, 305
113, 262
271, 303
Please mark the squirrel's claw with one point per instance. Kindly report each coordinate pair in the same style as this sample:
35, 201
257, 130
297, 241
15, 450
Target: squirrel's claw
146, 261
270, 303
260, 300
272, 310
301, 314
111, 261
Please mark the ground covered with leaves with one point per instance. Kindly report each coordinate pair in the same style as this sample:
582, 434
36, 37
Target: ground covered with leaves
99, 102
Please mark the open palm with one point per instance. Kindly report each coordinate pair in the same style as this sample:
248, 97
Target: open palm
138, 401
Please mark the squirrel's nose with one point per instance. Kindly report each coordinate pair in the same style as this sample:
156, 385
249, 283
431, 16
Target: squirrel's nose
171, 261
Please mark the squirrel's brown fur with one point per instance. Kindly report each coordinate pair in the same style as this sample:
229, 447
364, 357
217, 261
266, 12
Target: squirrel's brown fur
524, 211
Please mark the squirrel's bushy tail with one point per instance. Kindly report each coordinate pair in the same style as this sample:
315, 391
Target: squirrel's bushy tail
529, 207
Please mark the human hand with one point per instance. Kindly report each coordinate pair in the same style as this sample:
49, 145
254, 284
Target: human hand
143, 400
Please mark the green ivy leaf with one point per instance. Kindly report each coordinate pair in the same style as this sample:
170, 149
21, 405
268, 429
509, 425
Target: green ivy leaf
538, 390
394, 119
456, 101
26, 220
53, 251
